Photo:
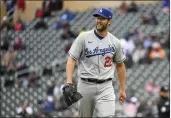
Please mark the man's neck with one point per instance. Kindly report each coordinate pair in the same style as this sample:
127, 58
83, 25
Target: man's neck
102, 34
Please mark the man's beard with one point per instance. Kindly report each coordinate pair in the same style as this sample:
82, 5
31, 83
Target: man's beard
102, 28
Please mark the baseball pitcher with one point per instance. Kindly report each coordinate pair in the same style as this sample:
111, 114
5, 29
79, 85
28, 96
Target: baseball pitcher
98, 53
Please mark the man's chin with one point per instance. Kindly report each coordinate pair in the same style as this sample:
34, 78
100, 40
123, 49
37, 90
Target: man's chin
100, 30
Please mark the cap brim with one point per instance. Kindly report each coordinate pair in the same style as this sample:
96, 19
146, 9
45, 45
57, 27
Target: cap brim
95, 15
164, 89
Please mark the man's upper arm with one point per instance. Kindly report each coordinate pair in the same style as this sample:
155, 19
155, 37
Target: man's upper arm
76, 48
119, 56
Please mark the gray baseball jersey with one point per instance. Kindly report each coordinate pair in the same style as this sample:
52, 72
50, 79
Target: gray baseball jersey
95, 57
96, 60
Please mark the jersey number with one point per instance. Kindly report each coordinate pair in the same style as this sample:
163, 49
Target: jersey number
108, 62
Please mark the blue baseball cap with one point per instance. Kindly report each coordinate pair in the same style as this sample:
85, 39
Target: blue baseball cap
104, 12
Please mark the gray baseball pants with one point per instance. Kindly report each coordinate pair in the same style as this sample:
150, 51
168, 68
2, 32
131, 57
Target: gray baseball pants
96, 96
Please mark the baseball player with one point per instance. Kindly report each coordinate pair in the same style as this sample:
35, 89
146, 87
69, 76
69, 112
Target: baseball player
98, 54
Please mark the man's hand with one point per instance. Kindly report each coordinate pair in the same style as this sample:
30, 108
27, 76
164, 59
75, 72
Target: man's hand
122, 96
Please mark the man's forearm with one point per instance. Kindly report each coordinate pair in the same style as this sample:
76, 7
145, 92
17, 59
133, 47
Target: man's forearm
121, 72
70, 69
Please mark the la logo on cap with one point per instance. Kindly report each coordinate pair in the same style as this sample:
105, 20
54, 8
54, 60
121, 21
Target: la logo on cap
101, 10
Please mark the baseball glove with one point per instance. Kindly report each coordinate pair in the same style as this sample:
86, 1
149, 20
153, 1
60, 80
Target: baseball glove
70, 94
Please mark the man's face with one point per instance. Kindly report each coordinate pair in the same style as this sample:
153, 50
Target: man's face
164, 94
102, 23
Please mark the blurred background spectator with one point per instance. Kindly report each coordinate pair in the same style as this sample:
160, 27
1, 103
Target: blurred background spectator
21, 6
132, 7
66, 32
66, 15
48, 105
19, 25
68, 47
18, 44
139, 54
131, 107
25, 111
151, 87
164, 103
53, 6
41, 24
59, 4
165, 6
149, 19
157, 52
46, 8
5, 39
10, 5
6, 23
123, 7
39, 12
9, 58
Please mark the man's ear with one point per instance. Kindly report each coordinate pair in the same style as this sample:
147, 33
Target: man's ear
110, 22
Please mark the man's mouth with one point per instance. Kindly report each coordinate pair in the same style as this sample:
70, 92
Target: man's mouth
99, 25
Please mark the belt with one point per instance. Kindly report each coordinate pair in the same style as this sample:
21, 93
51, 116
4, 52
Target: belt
96, 80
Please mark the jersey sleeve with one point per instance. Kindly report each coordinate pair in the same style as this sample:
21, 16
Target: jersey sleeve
119, 56
76, 47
